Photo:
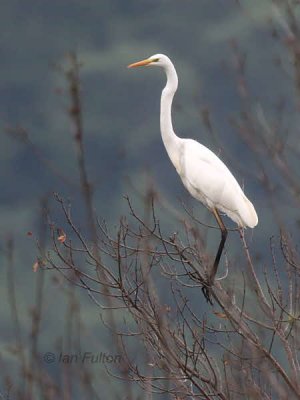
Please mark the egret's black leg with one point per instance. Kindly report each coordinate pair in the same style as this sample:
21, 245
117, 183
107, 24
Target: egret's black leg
224, 232
213, 272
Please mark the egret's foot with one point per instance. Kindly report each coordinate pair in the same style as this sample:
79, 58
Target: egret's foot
206, 290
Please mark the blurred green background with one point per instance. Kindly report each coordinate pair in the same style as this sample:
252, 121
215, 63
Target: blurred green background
121, 121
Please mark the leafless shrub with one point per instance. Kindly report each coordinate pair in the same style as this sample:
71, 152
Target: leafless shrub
245, 345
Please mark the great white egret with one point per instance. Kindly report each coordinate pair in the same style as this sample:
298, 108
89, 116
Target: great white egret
204, 175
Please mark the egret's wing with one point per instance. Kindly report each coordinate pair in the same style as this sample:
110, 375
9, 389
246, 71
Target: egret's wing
207, 175
209, 180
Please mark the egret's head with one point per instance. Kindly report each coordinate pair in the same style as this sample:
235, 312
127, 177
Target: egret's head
157, 60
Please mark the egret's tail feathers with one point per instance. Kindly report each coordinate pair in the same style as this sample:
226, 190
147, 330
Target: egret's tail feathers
248, 214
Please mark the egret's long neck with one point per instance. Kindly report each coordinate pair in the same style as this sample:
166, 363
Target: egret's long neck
170, 139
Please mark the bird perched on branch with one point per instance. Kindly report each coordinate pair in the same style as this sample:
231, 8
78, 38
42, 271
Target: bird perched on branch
204, 175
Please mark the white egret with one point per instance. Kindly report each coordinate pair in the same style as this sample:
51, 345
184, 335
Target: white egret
204, 175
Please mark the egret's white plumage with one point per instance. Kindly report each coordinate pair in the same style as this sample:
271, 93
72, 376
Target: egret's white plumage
204, 175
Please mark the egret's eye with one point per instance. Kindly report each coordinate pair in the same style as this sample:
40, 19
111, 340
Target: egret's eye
155, 60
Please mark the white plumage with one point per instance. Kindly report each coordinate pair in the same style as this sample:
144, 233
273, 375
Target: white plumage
204, 175
208, 179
